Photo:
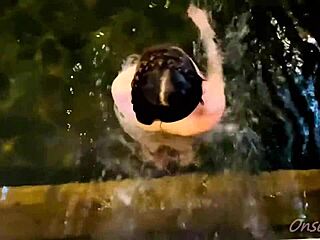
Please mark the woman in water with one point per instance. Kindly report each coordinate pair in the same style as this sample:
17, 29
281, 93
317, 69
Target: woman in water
164, 102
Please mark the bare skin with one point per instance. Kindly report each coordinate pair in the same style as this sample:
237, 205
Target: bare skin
205, 117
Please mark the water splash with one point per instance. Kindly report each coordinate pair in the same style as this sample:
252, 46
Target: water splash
77, 67
4, 193
156, 3
68, 127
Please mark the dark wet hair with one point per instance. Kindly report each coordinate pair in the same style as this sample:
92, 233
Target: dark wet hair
166, 86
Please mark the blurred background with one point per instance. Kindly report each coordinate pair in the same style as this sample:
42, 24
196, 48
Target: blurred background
58, 59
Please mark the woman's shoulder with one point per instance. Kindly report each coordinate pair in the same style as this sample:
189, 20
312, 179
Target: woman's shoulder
121, 94
122, 83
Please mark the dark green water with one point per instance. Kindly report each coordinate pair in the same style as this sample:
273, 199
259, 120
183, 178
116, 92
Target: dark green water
58, 59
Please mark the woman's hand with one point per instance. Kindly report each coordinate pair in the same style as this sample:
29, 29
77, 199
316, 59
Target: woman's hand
201, 19
214, 66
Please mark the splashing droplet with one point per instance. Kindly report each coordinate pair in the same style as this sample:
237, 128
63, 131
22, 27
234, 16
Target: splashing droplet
99, 34
167, 4
4, 193
77, 67
156, 3
183, 225
98, 82
68, 127
162, 206
274, 21
153, 5
83, 134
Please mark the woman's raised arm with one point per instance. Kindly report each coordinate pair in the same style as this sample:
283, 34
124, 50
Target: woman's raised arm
201, 19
